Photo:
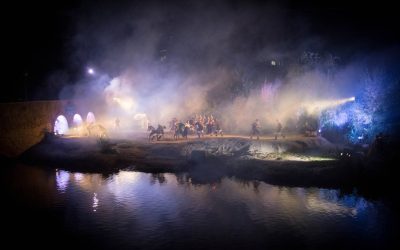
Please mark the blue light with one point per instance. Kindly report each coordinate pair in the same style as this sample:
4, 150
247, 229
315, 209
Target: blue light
341, 118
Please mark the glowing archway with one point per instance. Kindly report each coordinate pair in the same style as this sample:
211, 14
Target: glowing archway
90, 118
77, 120
61, 125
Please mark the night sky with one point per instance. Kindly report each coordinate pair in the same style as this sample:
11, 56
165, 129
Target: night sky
44, 40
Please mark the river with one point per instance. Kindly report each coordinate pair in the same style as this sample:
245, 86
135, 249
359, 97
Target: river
171, 211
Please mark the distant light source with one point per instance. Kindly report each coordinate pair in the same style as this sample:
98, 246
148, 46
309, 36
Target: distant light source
90, 118
315, 106
61, 125
90, 71
77, 120
273, 63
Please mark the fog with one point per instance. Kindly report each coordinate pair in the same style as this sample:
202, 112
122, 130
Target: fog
236, 61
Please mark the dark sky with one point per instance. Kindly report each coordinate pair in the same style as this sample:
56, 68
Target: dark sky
41, 38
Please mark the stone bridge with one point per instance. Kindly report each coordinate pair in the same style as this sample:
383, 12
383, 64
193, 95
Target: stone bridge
22, 124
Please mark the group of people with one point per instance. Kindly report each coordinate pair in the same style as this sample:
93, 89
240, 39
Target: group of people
256, 127
199, 124
207, 125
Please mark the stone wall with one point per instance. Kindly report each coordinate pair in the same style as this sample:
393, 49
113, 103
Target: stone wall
22, 124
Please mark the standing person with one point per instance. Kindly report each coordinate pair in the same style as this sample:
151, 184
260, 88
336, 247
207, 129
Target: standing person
218, 129
208, 125
255, 129
117, 123
199, 129
173, 124
279, 130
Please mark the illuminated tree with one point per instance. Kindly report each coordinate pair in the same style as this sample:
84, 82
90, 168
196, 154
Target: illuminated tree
373, 111
368, 114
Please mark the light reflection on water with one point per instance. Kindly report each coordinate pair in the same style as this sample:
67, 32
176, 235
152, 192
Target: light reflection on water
62, 179
95, 202
157, 210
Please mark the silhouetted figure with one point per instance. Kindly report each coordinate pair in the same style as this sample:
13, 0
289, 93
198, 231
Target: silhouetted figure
255, 129
117, 122
218, 129
173, 124
279, 130
199, 129
378, 146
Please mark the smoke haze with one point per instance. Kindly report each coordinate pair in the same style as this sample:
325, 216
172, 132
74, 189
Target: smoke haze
237, 61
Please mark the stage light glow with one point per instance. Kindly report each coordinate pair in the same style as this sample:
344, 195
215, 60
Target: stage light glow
77, 120
90, 118
126, 103
61, 125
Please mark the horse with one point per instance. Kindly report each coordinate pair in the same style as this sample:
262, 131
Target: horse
157, 133
181, 130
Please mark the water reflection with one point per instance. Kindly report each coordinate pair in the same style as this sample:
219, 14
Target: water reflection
62, 179
78, 177
95, 202
164, 192
126, 186
158, 177
142, 210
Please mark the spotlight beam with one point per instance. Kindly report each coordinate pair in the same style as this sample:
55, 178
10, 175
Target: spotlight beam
325, 104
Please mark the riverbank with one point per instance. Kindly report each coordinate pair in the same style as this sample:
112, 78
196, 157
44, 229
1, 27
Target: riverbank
294, 161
